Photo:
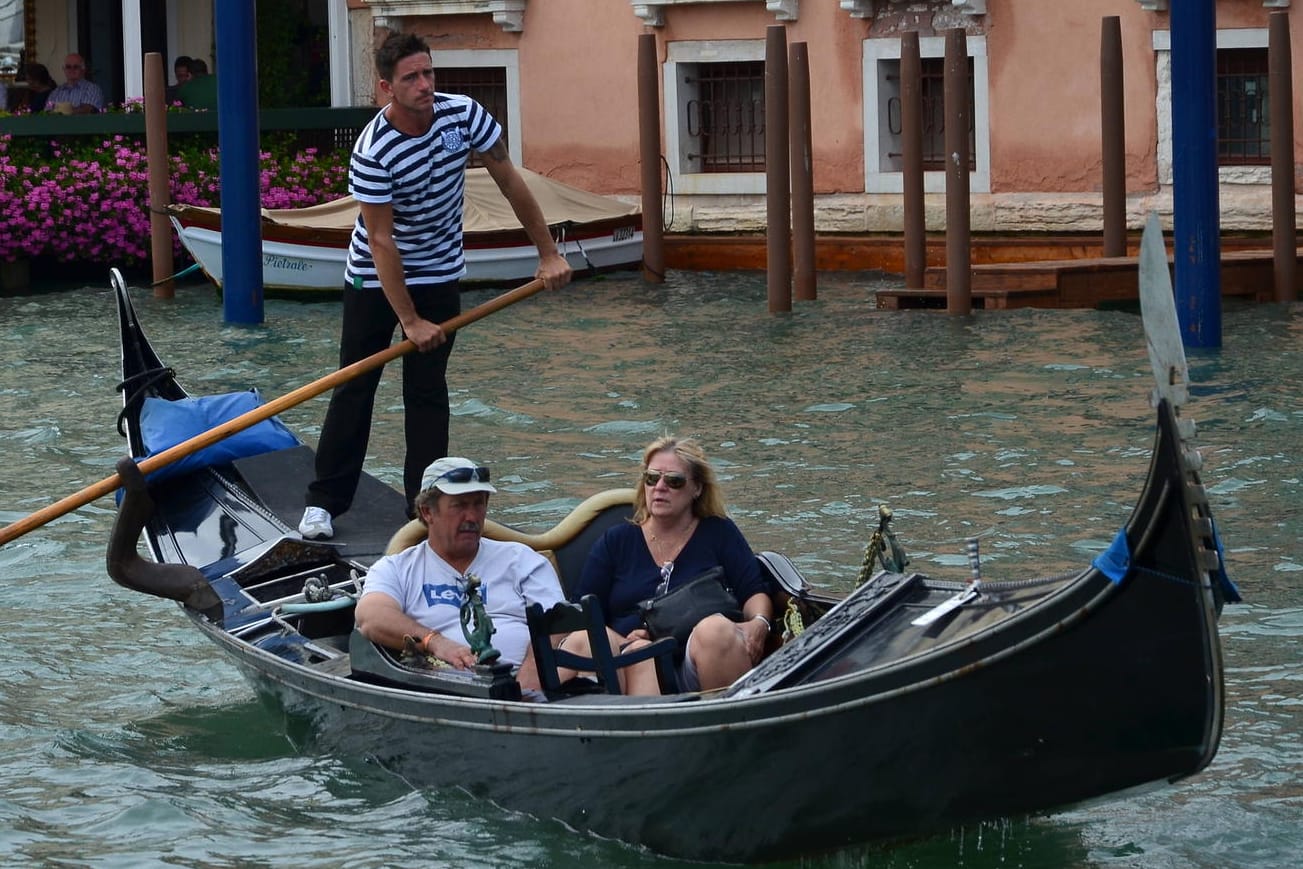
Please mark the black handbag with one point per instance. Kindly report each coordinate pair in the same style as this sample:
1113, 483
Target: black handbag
677, 612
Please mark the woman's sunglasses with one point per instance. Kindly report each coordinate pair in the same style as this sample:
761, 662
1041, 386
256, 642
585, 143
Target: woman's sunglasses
674, 481
465, 475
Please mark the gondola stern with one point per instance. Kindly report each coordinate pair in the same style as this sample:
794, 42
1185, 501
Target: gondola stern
1172, 526
1173, 538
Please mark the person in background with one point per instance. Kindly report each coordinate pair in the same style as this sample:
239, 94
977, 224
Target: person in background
199, 91
679, 531
405, 258
39, 86
415, 596
77, 95
181, 71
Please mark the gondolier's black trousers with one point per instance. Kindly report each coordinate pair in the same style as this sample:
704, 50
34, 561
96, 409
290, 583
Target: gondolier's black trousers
368, 328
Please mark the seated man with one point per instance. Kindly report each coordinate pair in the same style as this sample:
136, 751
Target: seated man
418, 592
77, 95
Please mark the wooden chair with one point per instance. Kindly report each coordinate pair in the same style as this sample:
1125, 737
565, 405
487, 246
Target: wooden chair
586, 616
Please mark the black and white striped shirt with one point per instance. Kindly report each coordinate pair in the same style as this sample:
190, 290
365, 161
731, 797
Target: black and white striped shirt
424, 178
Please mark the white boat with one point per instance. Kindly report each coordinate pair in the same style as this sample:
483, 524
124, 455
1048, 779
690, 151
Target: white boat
303, 249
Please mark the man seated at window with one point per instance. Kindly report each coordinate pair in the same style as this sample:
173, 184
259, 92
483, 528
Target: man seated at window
76, 96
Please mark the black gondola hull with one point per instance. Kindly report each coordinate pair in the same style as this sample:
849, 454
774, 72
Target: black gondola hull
866, 728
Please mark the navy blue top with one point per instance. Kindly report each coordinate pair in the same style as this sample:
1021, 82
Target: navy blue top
620, 570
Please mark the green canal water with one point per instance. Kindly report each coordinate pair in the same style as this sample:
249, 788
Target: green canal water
128, 741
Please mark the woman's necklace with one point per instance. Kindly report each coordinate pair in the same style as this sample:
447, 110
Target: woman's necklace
664, 547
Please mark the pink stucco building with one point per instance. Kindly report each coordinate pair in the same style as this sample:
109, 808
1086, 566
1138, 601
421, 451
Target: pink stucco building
1036, 139
562, 75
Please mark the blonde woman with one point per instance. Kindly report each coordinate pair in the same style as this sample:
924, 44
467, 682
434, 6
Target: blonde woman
680, 531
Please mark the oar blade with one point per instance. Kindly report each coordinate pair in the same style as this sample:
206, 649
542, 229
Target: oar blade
1158, 310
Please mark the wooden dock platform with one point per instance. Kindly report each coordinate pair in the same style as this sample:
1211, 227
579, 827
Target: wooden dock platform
1045, 271
1087, 282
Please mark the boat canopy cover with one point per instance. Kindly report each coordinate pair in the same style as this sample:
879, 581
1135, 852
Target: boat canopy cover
164, 424
486, 210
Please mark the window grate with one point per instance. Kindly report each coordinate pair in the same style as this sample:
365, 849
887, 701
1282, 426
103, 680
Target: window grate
487, 85
1243, 108
932, 92
726, 118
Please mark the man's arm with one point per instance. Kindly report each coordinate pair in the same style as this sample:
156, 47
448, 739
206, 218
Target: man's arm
553, 269
94, 103
381, 620
379, 222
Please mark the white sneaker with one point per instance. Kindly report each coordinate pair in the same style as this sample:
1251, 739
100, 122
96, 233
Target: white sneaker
315, 524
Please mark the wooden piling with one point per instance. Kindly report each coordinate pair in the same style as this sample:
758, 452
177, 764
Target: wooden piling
1112, 131
911, 141
160, 195
777, 171
1284, 225
959, 272
801, 143
649, 152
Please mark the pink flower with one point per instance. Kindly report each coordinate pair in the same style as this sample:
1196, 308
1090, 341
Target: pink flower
88, 201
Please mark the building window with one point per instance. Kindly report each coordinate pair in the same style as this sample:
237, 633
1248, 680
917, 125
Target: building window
487, 85
490, 77
932, 90
725, 118
1243, 118
715, 116
883, 150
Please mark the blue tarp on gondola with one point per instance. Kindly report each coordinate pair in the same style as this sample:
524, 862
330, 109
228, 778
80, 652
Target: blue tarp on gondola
164, 424
1115, 561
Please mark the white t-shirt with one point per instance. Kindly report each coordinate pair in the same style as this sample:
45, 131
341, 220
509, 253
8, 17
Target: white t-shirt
429, 590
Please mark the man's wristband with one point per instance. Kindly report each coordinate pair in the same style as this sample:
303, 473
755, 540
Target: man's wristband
769, 626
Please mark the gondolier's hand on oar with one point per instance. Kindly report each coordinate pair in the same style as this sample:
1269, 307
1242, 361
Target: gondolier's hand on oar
425, 334
553, 270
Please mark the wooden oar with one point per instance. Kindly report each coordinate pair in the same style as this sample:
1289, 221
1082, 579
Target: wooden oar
257, 415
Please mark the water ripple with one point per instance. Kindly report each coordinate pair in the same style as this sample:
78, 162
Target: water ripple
138, 745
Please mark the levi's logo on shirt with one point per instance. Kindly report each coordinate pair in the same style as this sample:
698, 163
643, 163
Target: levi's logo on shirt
448, 595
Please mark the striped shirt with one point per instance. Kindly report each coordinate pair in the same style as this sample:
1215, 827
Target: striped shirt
79, 93
424, 178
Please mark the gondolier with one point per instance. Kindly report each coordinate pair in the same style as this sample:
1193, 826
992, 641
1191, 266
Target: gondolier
405, 258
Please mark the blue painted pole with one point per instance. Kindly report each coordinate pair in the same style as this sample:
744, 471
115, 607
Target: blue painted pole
237, 134
1197, 217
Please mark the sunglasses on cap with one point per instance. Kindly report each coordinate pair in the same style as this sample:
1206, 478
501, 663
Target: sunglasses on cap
464, 475
674, 481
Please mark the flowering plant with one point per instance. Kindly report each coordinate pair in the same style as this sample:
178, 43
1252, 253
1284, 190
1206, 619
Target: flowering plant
88, 201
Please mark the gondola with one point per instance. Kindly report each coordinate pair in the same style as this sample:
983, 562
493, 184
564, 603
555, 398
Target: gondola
906, 707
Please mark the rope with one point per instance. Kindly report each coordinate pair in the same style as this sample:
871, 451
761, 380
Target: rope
193, 267
150, 377
583, 252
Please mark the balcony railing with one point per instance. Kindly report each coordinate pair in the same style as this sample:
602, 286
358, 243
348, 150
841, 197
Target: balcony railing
321, 128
